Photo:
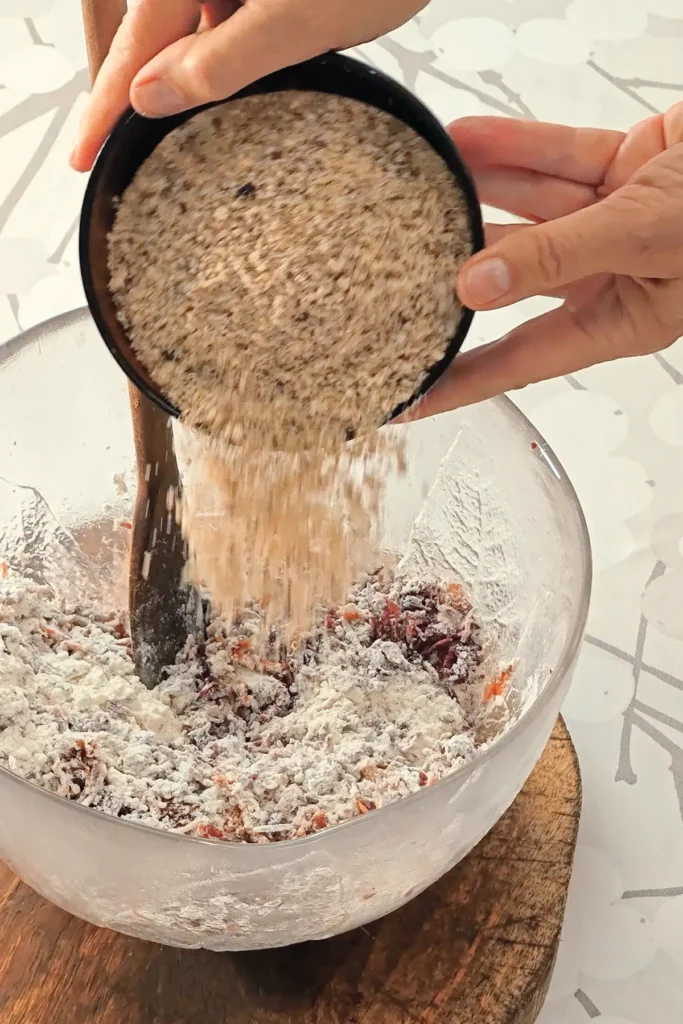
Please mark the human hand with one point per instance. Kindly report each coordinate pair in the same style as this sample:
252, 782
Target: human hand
170, 55
607, 239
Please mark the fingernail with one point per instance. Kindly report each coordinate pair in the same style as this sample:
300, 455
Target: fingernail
158, 99
486, 282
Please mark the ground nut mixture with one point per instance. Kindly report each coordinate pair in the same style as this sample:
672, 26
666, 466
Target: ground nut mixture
378, 700
285, 265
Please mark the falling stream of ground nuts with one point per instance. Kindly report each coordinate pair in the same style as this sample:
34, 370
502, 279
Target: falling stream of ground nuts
284, 265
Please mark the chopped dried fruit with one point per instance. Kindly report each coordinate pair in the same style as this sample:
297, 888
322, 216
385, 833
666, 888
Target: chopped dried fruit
239, 647
208, 831
497, 687
350, 613
207, 688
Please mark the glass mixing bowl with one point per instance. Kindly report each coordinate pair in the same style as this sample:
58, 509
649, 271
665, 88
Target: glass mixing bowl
500, 515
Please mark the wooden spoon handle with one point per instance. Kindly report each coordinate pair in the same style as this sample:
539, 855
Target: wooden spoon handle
101, 19
161, 608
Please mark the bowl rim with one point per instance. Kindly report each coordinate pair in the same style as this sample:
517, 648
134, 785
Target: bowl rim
535, 709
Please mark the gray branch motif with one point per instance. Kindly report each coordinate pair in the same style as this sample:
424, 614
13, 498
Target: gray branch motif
667, 893
676, 375
648, 83
413, 64
59, 102
34, 34
574, 382
645, 718
14, 307
587, 1004
638, 714
497, 80
623, 85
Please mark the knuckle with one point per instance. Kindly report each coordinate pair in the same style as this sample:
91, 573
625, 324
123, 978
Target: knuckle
548, 256
521, 384
198, 81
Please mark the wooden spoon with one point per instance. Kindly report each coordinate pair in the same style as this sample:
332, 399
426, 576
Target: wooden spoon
163, 610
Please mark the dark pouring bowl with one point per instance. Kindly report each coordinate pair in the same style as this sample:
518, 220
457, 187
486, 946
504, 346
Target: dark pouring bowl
134, 138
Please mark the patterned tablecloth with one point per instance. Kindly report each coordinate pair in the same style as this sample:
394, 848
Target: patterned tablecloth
617, 428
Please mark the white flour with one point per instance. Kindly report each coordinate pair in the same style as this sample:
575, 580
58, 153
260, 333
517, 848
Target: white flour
381, 699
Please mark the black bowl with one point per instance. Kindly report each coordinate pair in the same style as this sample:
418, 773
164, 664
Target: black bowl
135, 137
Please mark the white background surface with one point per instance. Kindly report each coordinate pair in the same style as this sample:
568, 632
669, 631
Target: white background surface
618, 429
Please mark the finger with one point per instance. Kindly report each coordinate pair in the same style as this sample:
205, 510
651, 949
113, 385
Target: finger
220, 62
673, 125
558, 343
552, 345
576, 154
494, 233
629, 234
643, 142
148, 27
531, 194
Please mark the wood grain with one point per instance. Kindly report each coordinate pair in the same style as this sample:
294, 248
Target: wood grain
162, 609
476, 948
101, 19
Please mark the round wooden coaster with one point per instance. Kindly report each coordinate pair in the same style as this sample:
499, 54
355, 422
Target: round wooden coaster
476, 948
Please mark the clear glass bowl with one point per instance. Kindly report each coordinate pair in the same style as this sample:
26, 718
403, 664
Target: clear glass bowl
501, 516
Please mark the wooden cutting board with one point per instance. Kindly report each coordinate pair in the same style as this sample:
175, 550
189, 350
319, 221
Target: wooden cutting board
476, 948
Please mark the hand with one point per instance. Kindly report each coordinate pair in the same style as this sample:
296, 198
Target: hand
607, 239
170, 55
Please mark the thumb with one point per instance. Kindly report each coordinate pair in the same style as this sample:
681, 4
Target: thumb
608, 237
214, 64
